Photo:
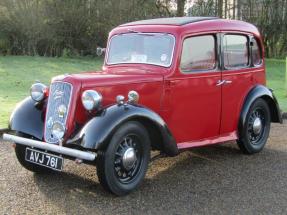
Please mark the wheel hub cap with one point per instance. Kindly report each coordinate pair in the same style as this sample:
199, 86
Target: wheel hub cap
257, 126
129, 158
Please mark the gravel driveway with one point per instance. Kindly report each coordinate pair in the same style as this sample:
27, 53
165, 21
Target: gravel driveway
211, 180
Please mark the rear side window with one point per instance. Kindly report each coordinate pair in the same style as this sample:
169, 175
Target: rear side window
256, 53
198, 54
235, 50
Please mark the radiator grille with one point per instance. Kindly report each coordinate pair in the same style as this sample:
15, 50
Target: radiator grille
60, 94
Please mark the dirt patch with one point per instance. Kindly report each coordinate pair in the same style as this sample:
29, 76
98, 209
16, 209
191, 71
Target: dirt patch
209, 180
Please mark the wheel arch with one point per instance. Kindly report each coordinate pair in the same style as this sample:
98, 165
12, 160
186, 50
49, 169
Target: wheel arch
153, 131
260, 91
28, 111
97, 133
274, 108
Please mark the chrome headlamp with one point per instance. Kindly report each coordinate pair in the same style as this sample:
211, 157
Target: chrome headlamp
91, 100
58, 130
38, 91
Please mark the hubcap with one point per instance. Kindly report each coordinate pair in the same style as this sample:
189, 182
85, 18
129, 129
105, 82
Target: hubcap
257, 126
129, 158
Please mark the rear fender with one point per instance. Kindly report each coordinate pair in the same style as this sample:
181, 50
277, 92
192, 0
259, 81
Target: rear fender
263, 92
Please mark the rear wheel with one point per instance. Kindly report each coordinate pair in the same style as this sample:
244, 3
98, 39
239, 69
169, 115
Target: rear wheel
122, 167
20, 151
256, 128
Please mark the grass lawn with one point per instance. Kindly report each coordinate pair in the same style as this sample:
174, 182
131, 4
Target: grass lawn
17, 73
276, 70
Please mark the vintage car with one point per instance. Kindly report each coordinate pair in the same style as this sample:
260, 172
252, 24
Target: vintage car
167, 84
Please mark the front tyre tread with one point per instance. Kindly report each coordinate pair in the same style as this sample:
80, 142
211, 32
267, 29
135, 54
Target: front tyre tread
106, 170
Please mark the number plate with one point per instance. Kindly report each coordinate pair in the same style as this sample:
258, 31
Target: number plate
44, 159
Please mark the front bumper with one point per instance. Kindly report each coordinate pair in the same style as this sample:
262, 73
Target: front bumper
50, 147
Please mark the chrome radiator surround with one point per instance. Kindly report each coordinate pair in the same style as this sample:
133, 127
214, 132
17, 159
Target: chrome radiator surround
60, 94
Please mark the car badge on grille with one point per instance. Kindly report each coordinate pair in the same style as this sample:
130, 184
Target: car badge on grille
58, 94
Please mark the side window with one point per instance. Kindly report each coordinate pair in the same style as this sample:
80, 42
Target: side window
235, 51
198, 54
256, 53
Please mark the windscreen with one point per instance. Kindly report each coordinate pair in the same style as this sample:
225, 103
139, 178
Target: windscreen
144, 48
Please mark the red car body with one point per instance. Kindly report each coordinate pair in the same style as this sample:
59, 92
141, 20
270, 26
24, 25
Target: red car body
199, 98
164, 90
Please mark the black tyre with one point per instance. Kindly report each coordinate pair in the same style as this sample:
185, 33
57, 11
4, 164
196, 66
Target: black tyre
256, 129
20, 151
122, 167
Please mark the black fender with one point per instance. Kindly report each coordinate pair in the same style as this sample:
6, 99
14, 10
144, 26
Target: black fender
28, 118
98, 131
260, 91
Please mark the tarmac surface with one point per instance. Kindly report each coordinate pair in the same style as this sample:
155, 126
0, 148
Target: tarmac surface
209, 180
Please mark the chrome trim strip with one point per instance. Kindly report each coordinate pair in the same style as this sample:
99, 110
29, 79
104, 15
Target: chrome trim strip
50, 147
68, 109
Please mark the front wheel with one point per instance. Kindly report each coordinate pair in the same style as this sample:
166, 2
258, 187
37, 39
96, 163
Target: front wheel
256, 129
122, 167
20, 151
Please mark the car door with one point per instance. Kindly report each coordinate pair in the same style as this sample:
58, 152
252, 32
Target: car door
237, 78
195, 99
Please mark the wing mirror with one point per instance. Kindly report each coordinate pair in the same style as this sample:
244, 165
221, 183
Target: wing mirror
101, 51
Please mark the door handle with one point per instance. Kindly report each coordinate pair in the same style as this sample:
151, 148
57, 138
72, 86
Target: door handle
221, 82
227, 82
171, 83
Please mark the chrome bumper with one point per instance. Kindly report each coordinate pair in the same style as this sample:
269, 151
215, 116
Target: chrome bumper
50, 147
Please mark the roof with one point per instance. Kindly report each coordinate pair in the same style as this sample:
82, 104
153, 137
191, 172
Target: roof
170, 21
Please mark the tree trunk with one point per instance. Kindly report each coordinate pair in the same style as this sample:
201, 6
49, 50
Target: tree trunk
220, 7
233, 9
180, 7
225, 9
239, 9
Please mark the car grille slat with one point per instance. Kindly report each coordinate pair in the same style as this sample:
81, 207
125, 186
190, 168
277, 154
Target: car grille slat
60, 94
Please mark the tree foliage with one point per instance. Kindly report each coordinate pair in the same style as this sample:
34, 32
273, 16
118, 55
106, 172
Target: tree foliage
77, 27
270, 16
